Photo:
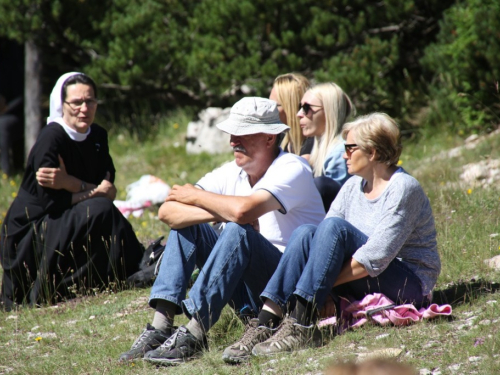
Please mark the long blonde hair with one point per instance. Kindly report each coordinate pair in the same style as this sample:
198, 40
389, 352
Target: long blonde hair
338, 107
290, 88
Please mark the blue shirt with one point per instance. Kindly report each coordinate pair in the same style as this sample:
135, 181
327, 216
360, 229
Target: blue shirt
335, 166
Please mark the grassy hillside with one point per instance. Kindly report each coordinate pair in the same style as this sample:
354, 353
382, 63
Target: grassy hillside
86, 335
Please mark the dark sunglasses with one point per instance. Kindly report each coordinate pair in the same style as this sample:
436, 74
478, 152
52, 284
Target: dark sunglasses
306, 107
350, 148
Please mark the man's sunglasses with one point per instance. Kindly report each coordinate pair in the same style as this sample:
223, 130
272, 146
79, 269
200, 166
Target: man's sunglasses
306, 107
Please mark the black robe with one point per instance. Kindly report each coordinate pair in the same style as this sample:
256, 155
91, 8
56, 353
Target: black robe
51, 249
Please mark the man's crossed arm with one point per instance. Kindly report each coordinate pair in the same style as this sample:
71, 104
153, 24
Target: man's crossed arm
188, 205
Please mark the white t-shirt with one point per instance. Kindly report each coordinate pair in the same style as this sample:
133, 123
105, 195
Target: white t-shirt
289, 179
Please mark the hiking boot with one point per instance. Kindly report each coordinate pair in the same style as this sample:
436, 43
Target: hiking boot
181, 347
289, 337
150, 339
241, 350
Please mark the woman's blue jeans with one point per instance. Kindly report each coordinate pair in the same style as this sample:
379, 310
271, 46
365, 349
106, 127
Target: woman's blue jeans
312, 262
234, 267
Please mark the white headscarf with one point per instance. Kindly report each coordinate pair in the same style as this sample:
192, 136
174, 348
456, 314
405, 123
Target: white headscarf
56, 105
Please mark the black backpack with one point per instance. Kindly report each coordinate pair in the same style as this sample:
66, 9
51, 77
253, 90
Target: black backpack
148, 266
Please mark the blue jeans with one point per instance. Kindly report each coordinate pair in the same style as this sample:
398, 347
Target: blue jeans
312, 262
234, 267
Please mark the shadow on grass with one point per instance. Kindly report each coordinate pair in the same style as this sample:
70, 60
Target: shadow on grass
462, 292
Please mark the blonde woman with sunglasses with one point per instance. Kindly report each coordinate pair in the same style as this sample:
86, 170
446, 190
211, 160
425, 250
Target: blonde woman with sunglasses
287, 91
323, 111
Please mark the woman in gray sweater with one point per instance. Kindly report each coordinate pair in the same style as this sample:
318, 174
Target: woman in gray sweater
378, 237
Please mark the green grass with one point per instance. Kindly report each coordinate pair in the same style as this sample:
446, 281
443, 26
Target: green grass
86, 335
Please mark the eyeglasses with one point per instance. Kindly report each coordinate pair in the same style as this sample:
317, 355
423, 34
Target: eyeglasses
306, 107
77, 104
350, 148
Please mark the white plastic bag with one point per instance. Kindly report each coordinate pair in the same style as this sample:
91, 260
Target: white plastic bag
143, 193
148, 188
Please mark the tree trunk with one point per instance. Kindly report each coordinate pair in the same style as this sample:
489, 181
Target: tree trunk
32, 94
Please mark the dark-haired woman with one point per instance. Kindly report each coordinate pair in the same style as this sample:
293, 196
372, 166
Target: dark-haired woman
62, 234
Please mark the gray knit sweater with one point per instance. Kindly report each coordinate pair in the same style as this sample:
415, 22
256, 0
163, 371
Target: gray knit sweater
399, 223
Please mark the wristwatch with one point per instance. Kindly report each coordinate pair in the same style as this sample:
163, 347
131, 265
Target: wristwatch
83, 186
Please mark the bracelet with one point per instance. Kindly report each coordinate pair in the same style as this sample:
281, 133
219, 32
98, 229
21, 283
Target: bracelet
83, 186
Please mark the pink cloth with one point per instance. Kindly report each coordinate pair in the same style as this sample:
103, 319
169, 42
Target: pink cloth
357, 313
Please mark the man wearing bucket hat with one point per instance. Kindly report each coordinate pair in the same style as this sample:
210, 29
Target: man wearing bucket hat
262, 196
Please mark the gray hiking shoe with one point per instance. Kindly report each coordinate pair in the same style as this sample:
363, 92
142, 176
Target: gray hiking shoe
241, 350
289, 337
181, 347
150, 339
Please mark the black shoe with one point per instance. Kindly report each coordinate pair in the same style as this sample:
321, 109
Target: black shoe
182, 346
150, 339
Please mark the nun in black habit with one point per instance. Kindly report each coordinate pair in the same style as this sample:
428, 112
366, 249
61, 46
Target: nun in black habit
62, 234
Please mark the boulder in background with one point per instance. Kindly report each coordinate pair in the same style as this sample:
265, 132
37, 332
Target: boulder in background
204, 136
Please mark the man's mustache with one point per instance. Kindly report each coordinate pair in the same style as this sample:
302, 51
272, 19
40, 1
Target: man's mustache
239, 148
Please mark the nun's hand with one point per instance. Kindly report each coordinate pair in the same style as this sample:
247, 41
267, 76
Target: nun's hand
106, 189
54, 178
